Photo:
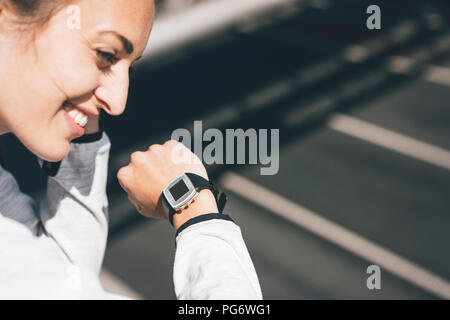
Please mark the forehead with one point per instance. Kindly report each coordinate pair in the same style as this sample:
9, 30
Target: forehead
132, 19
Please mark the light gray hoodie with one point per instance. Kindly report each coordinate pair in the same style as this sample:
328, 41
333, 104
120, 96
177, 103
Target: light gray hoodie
55, 250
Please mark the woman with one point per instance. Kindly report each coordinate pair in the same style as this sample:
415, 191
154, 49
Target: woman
56, 76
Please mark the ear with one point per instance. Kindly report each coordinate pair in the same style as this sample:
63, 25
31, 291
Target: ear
5, 13
2, 10
5, 7
2, 4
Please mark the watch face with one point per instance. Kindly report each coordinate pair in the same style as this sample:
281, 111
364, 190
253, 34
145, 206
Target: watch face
180, 192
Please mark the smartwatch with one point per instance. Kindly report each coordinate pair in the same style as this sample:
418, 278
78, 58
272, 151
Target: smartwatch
182, 190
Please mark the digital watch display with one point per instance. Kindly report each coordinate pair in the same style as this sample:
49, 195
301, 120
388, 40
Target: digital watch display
182, 190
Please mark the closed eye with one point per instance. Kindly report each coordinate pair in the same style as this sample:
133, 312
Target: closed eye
107, 56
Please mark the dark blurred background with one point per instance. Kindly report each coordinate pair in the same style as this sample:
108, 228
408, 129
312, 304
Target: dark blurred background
364, 120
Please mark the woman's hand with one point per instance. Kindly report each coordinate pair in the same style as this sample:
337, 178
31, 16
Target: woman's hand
149, 172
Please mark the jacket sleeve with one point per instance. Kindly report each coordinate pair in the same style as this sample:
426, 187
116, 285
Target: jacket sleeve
74, 210
212, 261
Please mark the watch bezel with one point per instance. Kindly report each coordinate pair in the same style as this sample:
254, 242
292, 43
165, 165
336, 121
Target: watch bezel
186, 199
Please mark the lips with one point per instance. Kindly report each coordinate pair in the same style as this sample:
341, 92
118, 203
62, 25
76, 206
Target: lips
76, 119
78, 116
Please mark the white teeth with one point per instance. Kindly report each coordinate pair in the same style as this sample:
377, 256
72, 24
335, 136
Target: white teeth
78, 116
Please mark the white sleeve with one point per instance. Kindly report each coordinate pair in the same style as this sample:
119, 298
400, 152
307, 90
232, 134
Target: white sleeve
212, 261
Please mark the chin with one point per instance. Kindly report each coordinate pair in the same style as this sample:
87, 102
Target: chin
52, 152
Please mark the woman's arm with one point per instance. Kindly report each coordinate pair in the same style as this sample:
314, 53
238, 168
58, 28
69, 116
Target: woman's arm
212, 260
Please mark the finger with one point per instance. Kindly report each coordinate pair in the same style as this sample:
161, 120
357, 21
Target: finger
124, 177
138, 157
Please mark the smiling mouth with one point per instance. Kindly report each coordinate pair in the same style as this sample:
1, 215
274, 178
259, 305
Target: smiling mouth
78, 116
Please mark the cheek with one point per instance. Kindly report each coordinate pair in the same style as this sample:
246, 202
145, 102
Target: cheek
77, 76
51, 149
38, 119
71, 65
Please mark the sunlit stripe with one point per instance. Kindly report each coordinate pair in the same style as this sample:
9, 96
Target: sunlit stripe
390, 140
337, 235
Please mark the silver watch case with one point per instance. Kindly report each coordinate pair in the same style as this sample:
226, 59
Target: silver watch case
186, 199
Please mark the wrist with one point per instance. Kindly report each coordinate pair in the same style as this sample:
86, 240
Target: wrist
204, 203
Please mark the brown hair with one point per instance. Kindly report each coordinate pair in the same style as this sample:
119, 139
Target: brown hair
36, 11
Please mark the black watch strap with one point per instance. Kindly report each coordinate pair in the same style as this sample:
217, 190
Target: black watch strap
199, 183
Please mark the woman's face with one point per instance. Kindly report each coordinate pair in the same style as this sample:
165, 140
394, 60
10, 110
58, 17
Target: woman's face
46, 82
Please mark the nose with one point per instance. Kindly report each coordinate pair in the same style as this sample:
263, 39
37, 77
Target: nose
113, 91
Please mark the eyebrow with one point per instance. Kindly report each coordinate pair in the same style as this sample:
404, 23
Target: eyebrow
129, 48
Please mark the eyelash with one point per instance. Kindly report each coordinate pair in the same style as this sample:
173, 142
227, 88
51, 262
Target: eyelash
111, 58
